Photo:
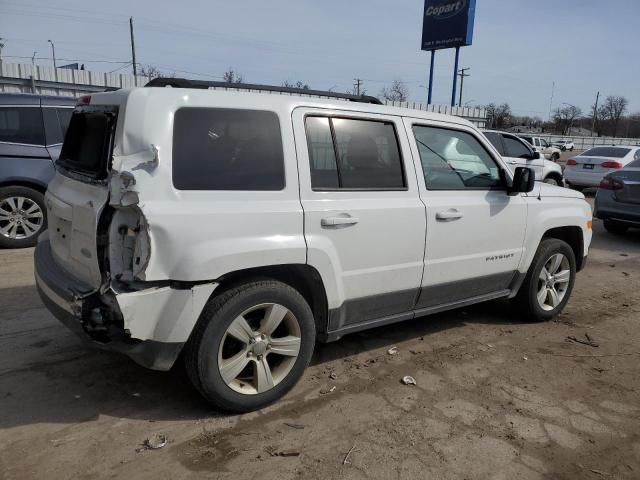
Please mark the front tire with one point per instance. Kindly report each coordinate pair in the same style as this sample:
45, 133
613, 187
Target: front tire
551, 180
251, 345
614, 227
555, 157
22, 216
549, 281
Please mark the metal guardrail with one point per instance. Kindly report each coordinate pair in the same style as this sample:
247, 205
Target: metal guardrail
584, 143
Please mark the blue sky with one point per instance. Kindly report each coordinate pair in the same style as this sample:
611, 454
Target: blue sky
520, 46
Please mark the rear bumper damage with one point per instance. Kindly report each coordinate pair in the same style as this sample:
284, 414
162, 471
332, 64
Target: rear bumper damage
149, 325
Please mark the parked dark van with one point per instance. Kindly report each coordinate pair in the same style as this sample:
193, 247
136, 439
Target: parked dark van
32, 128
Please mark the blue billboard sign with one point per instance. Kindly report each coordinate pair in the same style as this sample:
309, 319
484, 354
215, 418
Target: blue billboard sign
447, 23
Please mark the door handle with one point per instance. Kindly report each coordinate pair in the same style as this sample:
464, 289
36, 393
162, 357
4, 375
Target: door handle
449, 215
337, 221
513, 162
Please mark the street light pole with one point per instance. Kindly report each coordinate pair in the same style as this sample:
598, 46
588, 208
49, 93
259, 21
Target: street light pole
53, 52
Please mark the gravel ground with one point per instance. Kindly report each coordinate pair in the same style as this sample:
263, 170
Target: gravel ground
495, 397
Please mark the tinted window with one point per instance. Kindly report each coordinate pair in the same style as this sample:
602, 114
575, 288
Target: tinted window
368, 154
496, 139
528, 139
515, 148
606, 152
227, 149
636, 157
87, 145
322, 158
64, 116
636, 162
453, 160
365, 154
52, 126
21, 125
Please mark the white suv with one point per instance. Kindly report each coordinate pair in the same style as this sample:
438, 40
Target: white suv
239, 227
518, 153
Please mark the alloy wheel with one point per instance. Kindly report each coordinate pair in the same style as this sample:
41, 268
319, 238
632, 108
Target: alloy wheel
20, 218
259, 348
553, 281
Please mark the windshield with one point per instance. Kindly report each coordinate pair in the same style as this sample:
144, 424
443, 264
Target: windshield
88, 142
611, 152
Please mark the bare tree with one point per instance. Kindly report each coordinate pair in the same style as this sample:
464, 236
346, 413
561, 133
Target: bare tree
152, 72
498, 116
397, 92
231, 76
565, 116
612, 109
299, 84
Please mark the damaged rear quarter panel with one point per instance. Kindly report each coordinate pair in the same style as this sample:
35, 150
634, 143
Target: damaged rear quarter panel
198, 235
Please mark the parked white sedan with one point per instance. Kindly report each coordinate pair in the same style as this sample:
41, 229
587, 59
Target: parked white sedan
588, 168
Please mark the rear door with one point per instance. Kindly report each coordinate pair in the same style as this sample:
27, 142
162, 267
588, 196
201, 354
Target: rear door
78, 192
363, 219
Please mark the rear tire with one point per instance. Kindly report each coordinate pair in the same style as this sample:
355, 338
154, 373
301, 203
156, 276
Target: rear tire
22, 216
244, 374
614, 227
543, 295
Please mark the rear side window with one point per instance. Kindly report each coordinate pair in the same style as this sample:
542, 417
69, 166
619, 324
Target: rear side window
88, 143
227, 149
606, 152
353, 154
496, 140
515, 148
21, 125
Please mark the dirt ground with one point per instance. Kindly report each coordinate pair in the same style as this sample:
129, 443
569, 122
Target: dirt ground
495, 397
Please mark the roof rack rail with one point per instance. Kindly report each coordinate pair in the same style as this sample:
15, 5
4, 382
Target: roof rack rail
204, 84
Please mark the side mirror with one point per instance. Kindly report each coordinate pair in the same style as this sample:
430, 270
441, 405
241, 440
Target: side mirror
536, 156
523, 181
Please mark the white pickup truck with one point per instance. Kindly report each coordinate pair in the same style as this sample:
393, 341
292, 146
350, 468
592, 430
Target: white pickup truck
239, 227
539, 144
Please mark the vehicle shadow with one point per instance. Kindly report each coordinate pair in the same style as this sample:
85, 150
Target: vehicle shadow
48, 376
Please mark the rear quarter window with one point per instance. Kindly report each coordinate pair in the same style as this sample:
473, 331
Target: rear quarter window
21, 125
227, 149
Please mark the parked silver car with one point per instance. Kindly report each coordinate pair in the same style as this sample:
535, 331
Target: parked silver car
618, 199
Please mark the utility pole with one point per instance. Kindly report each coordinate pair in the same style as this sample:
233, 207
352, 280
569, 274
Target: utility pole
2, 44
462, 75
357, 84
33, 73
595, 115
133, 53
553, 88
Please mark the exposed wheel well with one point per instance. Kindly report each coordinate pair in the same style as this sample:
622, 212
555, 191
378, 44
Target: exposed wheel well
303, 278
573, 236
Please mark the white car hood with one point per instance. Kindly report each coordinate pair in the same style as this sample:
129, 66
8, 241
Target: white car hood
545, 190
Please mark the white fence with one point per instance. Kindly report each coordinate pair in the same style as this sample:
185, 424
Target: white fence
476, 115
27, 78
584, 143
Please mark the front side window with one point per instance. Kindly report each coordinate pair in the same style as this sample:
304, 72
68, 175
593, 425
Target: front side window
227, 149
353, 154
496, 140
21, 125
529, 140
515, 148
455, 160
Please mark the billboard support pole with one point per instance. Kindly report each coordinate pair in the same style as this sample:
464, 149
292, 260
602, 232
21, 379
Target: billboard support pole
455, 77
433, 55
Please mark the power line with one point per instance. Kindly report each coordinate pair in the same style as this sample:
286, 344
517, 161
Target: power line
357, 84
65, 59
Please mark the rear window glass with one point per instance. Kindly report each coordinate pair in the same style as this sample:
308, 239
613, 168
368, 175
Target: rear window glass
21, 125
606, 152
227, 149
87, 145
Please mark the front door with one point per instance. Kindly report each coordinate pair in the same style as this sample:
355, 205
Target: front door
364, 222
475, 230
518, 154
